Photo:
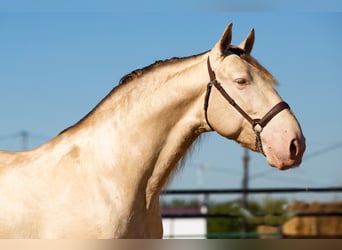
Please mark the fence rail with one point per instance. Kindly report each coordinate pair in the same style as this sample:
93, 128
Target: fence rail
236, 216
258, 215
251, 191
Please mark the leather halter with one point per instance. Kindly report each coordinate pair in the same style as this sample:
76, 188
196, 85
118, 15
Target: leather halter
257, 124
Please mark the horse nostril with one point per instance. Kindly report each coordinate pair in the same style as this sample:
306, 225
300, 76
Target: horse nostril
294, 148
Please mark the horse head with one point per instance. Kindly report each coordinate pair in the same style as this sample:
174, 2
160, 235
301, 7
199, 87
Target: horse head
245, 107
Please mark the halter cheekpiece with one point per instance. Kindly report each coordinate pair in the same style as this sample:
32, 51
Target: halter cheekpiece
257, 124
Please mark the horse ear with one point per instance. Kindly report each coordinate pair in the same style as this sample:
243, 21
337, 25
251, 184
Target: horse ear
224, 42
247, 44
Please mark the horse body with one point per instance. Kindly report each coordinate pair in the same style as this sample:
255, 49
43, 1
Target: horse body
102, 177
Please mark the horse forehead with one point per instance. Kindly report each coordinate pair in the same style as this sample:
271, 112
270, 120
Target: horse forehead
235, 63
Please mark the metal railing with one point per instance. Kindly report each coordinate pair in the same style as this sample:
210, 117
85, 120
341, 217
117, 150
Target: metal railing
259, 214
251, 191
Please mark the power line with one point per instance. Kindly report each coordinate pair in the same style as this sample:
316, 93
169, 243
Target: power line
10, 136
323, 151
221, 170
316, 153
24, 139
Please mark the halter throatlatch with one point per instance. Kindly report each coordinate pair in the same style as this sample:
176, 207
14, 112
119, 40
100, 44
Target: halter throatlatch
257, 124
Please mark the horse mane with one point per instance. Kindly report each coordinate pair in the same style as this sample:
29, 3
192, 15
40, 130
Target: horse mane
139, 72
231, 50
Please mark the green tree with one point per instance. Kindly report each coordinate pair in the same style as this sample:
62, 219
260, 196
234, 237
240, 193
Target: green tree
257, 213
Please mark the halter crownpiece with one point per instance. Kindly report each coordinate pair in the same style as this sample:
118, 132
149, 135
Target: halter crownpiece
257, 124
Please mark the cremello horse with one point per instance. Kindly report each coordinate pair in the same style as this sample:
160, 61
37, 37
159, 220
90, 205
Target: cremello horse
102, 177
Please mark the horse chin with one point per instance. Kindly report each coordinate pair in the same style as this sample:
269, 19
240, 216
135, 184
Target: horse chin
281, 163
280, 166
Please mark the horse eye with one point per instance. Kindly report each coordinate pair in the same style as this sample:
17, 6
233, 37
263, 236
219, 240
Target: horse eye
241, 81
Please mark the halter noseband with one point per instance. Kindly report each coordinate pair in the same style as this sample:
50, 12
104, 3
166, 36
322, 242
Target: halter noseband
257, 124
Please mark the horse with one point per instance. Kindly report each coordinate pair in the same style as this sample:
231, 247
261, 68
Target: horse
102, 177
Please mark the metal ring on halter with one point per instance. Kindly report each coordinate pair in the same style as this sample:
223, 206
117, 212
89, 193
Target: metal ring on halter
257, 128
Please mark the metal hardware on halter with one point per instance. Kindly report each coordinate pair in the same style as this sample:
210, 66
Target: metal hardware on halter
257, 124
257, 128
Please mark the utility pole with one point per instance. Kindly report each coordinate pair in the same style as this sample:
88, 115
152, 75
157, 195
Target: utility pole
24, 139
245, 178
244, 202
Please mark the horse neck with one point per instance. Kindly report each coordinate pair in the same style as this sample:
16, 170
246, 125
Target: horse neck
144, 127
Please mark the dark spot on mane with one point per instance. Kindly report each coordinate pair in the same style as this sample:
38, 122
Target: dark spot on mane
234, 50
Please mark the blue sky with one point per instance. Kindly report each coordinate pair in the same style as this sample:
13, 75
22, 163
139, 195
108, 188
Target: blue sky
57, 65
